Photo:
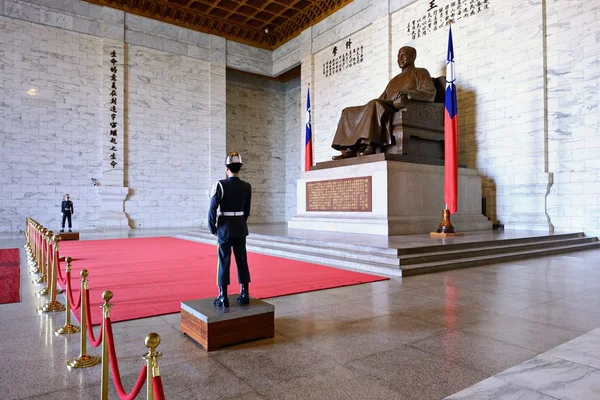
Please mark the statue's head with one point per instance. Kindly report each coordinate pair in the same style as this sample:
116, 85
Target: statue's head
406, 56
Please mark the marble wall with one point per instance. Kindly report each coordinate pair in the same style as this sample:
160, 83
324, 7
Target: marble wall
294, 142
167, 138
50, 102
56, 93
263, 125
527, 77
573, 82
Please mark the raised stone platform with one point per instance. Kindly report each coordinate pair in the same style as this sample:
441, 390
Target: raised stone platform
215, 327
384, 197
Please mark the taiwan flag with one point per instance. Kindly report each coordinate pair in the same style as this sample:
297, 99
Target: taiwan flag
451, 133
308, 142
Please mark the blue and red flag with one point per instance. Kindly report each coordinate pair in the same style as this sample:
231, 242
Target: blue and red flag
308, 143
451, 133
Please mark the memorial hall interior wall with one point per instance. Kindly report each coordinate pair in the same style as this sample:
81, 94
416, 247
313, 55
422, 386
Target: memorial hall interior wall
167, 138
527, 76
573, 50
51, 138
55, 76
263, 125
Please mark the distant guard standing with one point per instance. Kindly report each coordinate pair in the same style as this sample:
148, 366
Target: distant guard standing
230, 201
66, 209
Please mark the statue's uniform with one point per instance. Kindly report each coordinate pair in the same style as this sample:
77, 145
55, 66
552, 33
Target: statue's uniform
66, 208
232, 197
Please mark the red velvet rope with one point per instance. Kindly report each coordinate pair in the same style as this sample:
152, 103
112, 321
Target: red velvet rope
114, 367
88, 319
74, 306
159, 393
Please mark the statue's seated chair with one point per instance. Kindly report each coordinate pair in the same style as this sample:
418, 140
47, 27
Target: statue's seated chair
419, 129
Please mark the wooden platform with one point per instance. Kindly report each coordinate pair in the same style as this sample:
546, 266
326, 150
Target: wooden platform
215, 327
69, 235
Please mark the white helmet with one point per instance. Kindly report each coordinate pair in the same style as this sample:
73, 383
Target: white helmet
233, 158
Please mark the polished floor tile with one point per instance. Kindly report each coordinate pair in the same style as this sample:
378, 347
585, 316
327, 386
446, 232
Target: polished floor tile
422, 338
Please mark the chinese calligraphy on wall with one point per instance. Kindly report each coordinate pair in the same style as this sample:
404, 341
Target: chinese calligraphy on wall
437, 16
113, 109
341, 61
350, 194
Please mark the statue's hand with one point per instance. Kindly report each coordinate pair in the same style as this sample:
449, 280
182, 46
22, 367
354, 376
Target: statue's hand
401, 101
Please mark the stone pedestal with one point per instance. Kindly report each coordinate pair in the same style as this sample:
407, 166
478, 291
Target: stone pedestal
215, 327
405, 198
112, 199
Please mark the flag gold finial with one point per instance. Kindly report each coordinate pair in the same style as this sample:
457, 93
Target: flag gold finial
450, 21
308, 84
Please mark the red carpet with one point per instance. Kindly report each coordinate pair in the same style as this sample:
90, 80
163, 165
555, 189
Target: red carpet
151, 276
10, 276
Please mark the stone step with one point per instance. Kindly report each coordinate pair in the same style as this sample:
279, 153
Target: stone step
391, 252
488, 243
426, 268
490, 250
307, 256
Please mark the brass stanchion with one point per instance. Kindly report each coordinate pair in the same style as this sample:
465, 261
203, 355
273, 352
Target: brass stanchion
106, 295
41, 269
68, 328
46, 272
152, 341
84, 360
32, 248
53, 305
37, 267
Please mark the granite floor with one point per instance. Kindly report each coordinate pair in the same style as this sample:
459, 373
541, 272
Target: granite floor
422, 337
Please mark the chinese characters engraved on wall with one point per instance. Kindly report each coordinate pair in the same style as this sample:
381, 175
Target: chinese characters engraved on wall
437, 16
350, 194
341, 61
113, 131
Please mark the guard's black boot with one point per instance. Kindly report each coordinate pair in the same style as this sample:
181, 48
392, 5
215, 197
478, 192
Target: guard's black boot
62, 230
222, 300
244, 297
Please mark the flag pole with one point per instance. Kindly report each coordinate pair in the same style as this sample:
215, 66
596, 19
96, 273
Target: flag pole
446, 229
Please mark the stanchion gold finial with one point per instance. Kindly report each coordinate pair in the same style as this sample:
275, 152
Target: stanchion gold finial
106, 295
152, 341
53, 305
84, 360
68, 328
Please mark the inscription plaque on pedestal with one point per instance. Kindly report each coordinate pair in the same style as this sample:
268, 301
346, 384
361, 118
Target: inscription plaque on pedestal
348, 194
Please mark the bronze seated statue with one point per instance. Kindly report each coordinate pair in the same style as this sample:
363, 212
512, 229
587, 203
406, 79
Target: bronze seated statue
407, 119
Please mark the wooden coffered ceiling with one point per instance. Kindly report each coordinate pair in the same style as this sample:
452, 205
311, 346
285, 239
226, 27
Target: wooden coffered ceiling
262, 23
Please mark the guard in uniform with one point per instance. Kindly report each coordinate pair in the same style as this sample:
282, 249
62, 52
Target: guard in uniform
227, 216
66, 208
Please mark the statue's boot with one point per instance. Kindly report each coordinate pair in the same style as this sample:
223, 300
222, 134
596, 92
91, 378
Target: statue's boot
222, 300
367, 151
346, 153
244, 297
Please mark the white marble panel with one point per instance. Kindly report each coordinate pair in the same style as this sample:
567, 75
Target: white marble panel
406, 199
250, 59
256, 128
341, 16
396, 5
496, 389
147, 25
346, 28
